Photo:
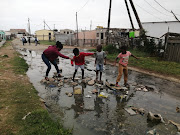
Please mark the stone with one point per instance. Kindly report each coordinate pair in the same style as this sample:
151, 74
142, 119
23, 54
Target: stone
94, 91
42, 100
177, 109
91, 83
51, 79
124, 88
117, 88
70, 94
77, 91
74, 83
60, 84
43, 81
145, 90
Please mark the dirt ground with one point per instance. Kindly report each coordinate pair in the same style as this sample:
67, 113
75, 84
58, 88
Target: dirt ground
17, 42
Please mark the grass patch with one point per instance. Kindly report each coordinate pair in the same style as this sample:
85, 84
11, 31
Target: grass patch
19, 65
18, 98
47, 42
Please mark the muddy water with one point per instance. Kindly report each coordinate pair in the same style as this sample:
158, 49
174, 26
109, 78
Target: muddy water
101, 116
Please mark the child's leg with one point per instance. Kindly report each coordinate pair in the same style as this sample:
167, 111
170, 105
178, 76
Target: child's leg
97, 71
55, 65
100, 75
74, 74
82, 73
101, 70
46, 61
125, 74
120, 72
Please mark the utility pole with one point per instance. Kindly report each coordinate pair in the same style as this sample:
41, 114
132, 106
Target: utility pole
91, 25
109, 17
136, 15
77, 29
44, 24
129, 15
29, 29
175, 16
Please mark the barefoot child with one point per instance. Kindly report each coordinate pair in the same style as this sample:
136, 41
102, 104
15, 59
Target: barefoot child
100, 60
123, 62
79, 59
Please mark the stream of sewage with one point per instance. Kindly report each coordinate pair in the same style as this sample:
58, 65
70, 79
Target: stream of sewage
104, 116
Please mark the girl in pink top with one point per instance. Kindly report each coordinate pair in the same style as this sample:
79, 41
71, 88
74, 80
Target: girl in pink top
123, 62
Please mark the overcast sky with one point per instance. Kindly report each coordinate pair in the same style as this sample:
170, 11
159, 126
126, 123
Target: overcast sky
14, 14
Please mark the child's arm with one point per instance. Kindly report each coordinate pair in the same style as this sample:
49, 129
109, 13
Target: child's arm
115, 61
72, 64
134, 56
88, 54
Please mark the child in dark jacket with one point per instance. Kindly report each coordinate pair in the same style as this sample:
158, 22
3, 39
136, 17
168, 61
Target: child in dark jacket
79, 59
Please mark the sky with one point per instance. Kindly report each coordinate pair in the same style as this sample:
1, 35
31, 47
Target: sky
61, 14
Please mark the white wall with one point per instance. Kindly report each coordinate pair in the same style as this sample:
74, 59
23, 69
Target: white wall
157, 29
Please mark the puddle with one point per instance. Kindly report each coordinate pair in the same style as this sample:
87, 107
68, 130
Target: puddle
103, 116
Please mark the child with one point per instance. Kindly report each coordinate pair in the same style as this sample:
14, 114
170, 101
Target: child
50, 55
79, 58
100, 60
123, 62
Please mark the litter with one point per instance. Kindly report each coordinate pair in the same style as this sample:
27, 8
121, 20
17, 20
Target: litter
77, 91
52, 86
102, 94
26, 116
130, 111
88, 96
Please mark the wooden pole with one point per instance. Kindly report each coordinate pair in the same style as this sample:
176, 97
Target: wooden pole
129, 15
77, 29
136, 14
109, 19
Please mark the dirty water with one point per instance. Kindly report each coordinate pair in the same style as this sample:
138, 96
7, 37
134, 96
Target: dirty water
105, 116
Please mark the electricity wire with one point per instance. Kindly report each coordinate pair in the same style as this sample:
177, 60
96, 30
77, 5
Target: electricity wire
83, 6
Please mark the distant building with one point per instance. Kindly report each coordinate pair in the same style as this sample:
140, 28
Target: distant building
157, 29
8, 34
66, 31
45, 34
18, 32
2, 35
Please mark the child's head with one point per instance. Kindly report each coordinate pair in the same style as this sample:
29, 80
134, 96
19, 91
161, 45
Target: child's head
76, 51
123, 49
59, 45
99, 48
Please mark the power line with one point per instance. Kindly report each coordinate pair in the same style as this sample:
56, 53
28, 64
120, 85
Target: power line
164, 7
156, 9
83, 6
148, 12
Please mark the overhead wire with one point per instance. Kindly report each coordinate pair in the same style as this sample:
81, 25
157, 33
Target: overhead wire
148, 12
164, 7
156, 9
83, 6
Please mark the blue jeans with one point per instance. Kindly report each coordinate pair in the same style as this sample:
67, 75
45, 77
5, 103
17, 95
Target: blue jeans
47, 62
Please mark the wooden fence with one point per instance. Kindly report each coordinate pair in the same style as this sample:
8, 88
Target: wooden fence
172, 52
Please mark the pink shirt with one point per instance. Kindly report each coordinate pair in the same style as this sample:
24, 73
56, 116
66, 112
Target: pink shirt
124, 58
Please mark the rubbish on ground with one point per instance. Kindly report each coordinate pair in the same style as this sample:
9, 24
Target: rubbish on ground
77, 91
99, 85
143, 88
177, 109
60, 84
52, 85
103, 94
139, 110
94, 91
130, 111
90, 92
42, 100
88, 96
91, 83
127, 92
108, 85
176, 124
69, 94
152, 132
26, 116
157, 118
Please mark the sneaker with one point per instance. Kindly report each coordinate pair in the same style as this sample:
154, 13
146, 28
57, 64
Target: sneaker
46, 78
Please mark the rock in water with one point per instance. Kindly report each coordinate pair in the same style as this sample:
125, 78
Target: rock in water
91, 83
